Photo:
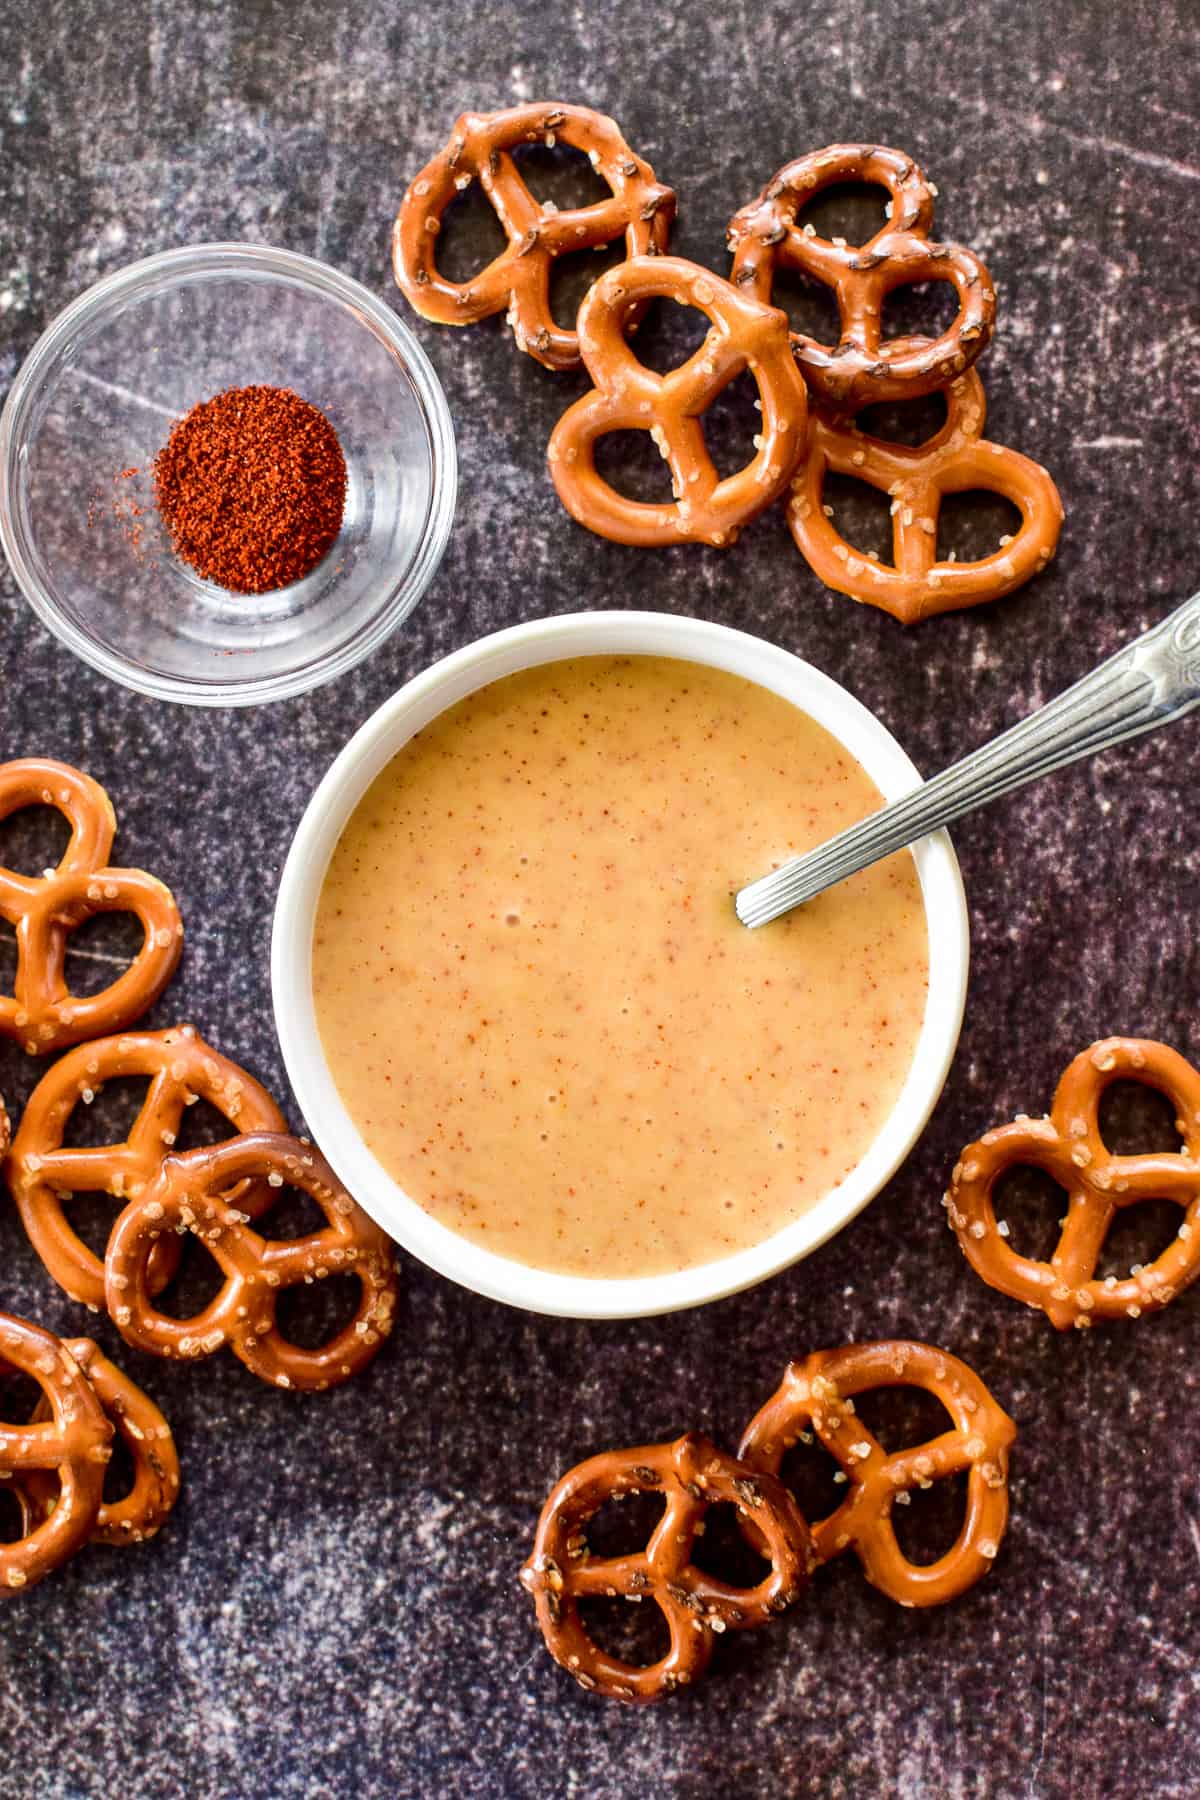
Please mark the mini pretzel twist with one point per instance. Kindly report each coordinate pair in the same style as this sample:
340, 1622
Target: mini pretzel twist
692, 1475
745, 333
42, 1013
640, 209
42, 1172
187, 1195
1068, 1145
147, 1437
818, 1395
74, 1440
955, 459
863, 367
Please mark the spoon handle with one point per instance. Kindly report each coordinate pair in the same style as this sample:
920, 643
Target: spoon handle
1150, 682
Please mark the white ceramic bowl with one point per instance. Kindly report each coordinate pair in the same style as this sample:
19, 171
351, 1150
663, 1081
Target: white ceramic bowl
367, 753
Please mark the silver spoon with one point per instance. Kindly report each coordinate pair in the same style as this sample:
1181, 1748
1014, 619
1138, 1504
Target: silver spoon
1151, 682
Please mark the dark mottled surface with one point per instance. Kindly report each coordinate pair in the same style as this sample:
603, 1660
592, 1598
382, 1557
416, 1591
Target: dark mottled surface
332, 1611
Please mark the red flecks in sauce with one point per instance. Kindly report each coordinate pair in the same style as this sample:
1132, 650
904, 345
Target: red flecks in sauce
537, 1002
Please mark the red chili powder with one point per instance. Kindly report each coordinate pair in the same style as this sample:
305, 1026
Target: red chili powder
251, 486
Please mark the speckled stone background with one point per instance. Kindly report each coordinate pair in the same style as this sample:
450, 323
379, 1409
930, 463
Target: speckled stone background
333, 1609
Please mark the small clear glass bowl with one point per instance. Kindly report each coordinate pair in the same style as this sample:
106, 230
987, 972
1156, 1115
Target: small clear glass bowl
94, 403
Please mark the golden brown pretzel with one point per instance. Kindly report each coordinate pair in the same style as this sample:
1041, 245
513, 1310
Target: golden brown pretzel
640, 209
42, 1014
627, 396
75, 1440
864, 367
954, 460
692, 1475
1069, 1147
146, 1436
187, 1195
42, 1172
818, 1395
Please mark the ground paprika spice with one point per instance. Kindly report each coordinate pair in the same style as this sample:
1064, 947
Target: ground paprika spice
251, 486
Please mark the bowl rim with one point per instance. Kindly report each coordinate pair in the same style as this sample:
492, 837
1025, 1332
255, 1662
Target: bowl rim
408, 710
190, 262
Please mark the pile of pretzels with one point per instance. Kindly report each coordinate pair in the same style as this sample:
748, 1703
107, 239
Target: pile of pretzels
221, 1194
816, 1400
54, 1465
809, 393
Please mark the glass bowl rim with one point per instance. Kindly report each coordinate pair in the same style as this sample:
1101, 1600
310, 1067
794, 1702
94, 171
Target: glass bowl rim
164, 270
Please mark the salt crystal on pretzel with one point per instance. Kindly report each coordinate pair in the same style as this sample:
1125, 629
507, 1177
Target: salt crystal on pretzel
627, 396
692, 1475
956, 459
517, 282
864, 368
188, 1195
42, 1014
819, 1394
43, 1172
1069, 1146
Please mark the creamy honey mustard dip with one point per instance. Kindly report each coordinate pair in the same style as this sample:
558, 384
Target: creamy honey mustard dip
536, 1000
